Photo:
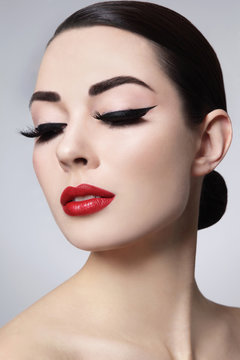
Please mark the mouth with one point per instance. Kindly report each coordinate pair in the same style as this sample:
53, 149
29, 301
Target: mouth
85, 199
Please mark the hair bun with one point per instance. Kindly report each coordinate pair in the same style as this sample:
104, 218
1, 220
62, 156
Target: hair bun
213, 200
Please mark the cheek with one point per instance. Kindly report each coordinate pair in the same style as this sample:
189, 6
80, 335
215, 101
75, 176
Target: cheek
155, 155
47, 172
155, 169
39, 165
36, 163
43, 166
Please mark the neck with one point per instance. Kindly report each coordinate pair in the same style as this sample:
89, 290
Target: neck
147, 288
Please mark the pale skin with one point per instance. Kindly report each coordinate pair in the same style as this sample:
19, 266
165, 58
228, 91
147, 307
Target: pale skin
136, 296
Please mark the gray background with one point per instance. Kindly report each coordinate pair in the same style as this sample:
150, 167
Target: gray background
34, 256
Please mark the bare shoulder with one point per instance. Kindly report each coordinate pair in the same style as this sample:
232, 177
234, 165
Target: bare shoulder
233, 316
54, 329
21, 341
17, 342
14, 344
229, 330
217, 333
41, 333
33, 333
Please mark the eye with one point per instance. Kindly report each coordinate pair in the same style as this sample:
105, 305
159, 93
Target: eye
123, 117
44, 132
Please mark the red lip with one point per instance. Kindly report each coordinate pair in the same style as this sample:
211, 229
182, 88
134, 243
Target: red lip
85, 207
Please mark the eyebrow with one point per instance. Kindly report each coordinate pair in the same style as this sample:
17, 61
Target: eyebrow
50, 96
105, 85
94, 90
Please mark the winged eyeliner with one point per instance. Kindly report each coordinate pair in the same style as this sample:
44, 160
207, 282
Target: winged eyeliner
47, 131
124, 113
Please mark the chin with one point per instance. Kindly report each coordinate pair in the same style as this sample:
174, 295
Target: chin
114, 228
97, 238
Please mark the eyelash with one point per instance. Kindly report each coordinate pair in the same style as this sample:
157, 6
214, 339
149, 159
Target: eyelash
44, 132
48, 131
123, 117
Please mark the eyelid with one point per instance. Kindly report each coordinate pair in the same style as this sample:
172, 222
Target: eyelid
50, 125
121, 113
118, 118
43, 129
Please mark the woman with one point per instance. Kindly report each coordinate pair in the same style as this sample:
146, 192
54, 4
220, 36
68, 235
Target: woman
129, 107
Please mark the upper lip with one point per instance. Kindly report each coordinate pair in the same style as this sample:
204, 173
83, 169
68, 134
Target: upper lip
71, 192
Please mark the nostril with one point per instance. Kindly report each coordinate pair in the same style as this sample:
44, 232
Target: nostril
80, 160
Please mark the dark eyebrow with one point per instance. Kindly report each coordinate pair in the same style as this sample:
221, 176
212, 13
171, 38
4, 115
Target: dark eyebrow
51, 96
115, 81
95, 89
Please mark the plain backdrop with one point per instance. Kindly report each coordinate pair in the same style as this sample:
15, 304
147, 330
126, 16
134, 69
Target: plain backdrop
34, 256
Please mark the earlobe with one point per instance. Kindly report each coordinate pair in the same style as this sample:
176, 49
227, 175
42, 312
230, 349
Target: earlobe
215, 139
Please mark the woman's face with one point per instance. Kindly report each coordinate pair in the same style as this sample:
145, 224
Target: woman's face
146, 164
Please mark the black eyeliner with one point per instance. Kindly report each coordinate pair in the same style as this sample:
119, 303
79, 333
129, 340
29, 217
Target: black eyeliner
47, 131
129, 114
44, 131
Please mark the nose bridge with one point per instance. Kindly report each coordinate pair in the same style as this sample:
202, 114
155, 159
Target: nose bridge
75, 147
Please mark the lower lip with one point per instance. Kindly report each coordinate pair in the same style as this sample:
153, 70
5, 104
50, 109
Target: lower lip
86, 207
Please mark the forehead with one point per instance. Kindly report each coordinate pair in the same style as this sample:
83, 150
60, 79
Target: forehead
78, 58
98, 52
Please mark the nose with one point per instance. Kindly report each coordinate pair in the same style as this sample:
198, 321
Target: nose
76, 149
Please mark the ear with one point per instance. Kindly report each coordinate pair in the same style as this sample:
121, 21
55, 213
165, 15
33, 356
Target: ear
214, 140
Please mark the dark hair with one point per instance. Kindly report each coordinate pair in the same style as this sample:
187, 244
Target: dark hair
187, 58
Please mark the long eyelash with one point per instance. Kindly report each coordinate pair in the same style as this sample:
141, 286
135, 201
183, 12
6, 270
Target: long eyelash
44, 131
47, 131
123, 117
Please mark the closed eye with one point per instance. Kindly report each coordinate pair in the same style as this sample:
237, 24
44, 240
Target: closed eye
44, 132
48, 131
123, 117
